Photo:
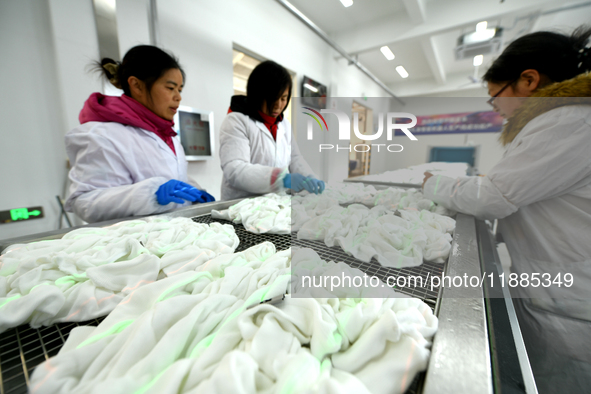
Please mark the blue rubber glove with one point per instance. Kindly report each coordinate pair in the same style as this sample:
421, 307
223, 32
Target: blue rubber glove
205, 196
179, 192
298, 182
197, 196
316, 185
287, 181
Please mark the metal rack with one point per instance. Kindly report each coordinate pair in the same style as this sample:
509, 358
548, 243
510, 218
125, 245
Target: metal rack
373, 268
23, 348
461, 354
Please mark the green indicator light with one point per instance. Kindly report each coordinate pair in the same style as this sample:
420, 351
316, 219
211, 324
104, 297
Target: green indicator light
19, 214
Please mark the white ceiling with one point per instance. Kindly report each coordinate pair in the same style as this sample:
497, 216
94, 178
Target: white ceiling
331, 16
423, 34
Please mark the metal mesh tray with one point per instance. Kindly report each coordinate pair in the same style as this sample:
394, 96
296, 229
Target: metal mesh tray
23, 348
373, 268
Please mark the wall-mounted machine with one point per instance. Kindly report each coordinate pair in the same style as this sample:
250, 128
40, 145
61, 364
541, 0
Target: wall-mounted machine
195, 129
313, 93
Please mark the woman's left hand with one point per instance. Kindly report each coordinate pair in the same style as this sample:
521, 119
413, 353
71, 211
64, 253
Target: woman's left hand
427, 176
204, 197
298, 182
313, 185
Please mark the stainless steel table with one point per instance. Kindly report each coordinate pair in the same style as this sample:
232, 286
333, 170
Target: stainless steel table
462, 359
364, 179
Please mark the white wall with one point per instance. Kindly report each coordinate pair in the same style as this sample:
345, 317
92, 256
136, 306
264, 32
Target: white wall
132, 24
416, 152
75, 48
48, 46
32, 154
201, 34
332, 165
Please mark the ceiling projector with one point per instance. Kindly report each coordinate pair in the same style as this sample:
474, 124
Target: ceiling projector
481, 42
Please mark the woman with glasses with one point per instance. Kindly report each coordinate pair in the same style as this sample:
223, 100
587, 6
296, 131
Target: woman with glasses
257, 152
541, 193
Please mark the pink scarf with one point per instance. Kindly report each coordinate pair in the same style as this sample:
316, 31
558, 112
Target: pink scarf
127, 111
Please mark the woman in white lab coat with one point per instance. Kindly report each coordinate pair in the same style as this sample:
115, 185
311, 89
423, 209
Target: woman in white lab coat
541, 192
125, 159
257, 152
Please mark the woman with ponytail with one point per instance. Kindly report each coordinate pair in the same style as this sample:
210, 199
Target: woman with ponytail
541, 193
125, 159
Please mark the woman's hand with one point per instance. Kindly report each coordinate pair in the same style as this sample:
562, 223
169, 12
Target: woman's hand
427, 176
180, 192
298, 182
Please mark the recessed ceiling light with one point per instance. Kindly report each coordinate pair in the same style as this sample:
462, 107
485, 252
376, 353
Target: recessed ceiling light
481, 26
402, 71
387, 52
478, 60
347, 3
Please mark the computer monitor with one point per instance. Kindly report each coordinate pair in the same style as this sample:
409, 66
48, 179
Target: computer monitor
313, 93
195, 129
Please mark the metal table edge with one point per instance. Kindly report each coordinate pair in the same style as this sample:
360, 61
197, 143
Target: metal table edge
435, 381
526, 371
194, 210
460, 356
383, 183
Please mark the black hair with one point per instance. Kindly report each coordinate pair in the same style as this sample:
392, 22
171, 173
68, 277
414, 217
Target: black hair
557, 56
145, 62
266, 83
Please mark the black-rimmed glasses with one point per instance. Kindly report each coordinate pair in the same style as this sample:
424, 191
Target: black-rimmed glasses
491, 101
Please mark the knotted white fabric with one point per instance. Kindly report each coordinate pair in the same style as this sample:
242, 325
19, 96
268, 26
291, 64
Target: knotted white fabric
270, 213
282, 214
414, 175
348, 193
90, 270
397, 198
421, 233
395, 241
304, 208
192, 333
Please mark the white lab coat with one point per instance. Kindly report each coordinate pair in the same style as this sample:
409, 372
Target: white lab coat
117, 169
541, 192
250, 157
